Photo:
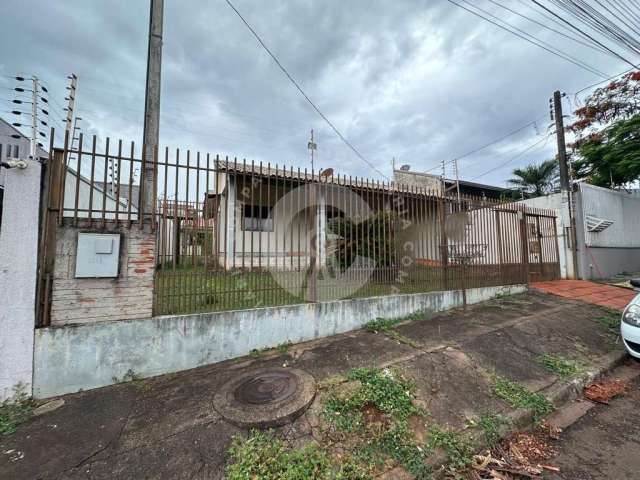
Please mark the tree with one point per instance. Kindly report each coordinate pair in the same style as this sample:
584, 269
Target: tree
611, 157
608, 134
536, 180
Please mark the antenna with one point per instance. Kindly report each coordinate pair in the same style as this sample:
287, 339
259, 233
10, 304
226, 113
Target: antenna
71, 98
312, 146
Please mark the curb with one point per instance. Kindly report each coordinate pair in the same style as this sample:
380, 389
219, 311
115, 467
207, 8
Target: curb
562, 393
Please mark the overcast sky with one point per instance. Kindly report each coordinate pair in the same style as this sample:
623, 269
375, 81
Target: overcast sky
420, 81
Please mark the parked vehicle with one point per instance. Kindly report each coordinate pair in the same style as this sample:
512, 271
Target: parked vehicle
630, 324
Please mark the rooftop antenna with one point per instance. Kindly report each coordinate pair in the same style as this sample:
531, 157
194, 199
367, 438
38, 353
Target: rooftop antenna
312, 146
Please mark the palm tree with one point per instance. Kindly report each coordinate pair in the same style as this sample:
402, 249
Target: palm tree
536, 179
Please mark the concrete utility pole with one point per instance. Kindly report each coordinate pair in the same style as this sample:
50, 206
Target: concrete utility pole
151, 134
562, 148
565, 187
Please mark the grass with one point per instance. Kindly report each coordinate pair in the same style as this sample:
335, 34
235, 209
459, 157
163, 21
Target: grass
490, 423
281, 349
560, 366
386, 326
458, 449
194, 289
15, 412
518, 396
610, 320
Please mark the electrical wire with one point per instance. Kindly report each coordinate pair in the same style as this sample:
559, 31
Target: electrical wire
533, 42
493, 142
512, 159
302, 92
584, 33
533, 20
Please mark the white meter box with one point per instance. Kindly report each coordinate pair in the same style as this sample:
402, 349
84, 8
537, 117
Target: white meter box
97, 255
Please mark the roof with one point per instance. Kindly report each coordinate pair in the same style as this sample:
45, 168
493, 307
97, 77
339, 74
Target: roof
317, 177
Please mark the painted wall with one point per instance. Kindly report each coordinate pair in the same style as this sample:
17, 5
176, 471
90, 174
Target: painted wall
71, 358
617, 248
18, 270
86, 300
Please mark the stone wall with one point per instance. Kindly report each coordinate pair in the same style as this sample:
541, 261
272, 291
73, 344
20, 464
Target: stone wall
91, 300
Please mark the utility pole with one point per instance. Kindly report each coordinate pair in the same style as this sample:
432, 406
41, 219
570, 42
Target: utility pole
151, 133
562, 148
34, 117
312, 146
565, 187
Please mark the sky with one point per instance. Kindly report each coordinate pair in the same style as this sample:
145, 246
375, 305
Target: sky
418, 81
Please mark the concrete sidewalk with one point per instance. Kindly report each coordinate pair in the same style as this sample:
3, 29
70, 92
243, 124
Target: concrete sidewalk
166, 427
596, 293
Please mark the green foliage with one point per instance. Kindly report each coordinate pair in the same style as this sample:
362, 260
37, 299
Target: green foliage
518, 396
363, 239
612, 157
15, 411
490, 423
608, 133
458, 448
263, 456
398, 443
560, 366
536, 179
385, 325
610, 320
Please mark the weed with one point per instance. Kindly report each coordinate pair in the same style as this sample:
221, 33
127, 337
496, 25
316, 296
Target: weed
610, 320
385, 326
15, 411
398, 443
264, 456
283, 347
256, 353
518, 396
458, 448
490, 423
560, 366
129, 376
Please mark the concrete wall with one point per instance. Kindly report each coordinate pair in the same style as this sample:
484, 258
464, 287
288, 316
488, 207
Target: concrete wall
617, 248
83, 300
18, 270
71, 358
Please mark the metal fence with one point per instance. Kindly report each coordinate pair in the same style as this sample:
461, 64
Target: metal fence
235, 234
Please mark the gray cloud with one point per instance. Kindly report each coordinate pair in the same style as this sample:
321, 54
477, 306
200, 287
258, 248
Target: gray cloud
421, 81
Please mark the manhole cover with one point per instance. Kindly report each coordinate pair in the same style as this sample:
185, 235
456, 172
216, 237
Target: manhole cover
267, 397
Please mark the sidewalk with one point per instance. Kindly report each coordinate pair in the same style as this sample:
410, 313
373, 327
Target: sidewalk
166, 427
590, 292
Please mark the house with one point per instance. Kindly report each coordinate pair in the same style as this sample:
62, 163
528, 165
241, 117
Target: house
607, 231
13, 144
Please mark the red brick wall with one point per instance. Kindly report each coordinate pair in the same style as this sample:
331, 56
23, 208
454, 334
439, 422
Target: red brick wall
88, 300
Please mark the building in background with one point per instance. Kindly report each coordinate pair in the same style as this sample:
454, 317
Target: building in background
12, 147
607, 236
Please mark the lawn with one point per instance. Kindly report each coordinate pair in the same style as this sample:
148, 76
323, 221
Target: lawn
194, 289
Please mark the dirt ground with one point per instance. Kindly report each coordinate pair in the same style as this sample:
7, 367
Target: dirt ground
166, 427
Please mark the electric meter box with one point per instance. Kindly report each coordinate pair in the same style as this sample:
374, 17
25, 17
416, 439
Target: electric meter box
97, 255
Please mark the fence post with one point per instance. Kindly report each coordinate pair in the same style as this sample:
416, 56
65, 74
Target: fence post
18, 277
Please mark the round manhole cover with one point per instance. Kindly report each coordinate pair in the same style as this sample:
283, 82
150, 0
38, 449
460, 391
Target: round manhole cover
267, 397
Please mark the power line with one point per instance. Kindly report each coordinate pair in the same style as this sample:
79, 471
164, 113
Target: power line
533, 20
533, 42
493, 142
302, 92
545, 139
583, 33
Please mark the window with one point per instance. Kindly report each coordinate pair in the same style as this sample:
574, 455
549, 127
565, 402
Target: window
16, 151
257, 218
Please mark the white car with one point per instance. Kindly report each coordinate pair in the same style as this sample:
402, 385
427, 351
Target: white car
630, 324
